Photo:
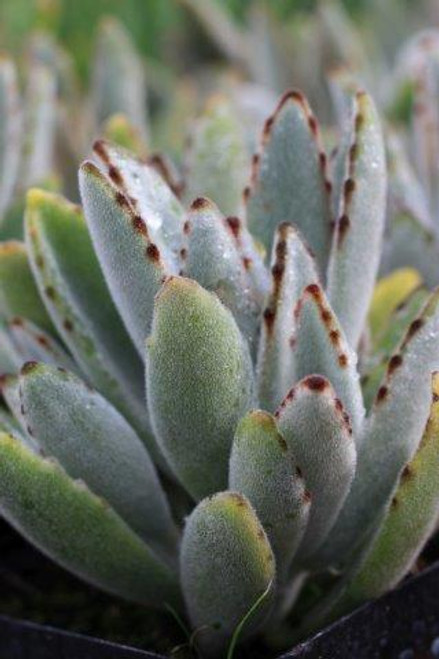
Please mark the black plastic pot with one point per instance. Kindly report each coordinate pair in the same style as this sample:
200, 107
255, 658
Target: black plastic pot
404, 624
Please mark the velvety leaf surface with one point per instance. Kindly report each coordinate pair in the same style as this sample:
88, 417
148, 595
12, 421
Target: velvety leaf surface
149, 196
93, 442
288, 182
357, 239
76, 295
409, 522
78, 530
217, 160
214, 261
35, 345
199, 383
18, 293
319, 346
391, 433
132, 264
265, 470
292, 270
317, 430
226, 565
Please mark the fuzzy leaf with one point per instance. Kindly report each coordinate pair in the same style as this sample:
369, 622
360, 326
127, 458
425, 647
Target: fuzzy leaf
391, 433
320, 346
18, 293
226, 565
93, 442
214, 261
199, 383
292, 269
317, 430
264, 469
10, 124
11, 357
149, 196
389, 293
71, 282
64, 519
409, 522
288, 180
357, 240
132, 265
11, 394
119, 84
217, 160
35, 345
397, 327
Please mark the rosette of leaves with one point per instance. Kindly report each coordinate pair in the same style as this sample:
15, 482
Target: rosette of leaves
187, 427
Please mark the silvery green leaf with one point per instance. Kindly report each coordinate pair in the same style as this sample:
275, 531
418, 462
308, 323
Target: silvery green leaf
214, 261
357, 239
132, 264
93, 442
217, 159
10, 124
320, 346
35, 345
18, 293
149, 196
391, 434
410, 243
292, 269
70, 280
39, 126
265, 470
288, 182
11, 393
199, 383
226, 565
119, 84
410, 520
77, 529
317, 430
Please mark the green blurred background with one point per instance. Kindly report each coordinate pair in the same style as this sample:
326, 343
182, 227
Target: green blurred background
160, 28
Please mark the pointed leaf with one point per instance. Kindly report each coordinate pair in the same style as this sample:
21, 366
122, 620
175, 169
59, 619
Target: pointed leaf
214, 261
320, 346
120, 131
217, 159
392, 432
18, 293
356, 247
199, 383
318, 432
292, 269
410, 520
64, 519
132, 264
226, 565
289, 180
265, 470
93, 442
149, 196
70, 280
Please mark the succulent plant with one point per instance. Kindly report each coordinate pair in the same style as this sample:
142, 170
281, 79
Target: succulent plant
252, 469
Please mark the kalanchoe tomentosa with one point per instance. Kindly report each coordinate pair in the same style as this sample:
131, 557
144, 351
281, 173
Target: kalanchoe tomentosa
254, 407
